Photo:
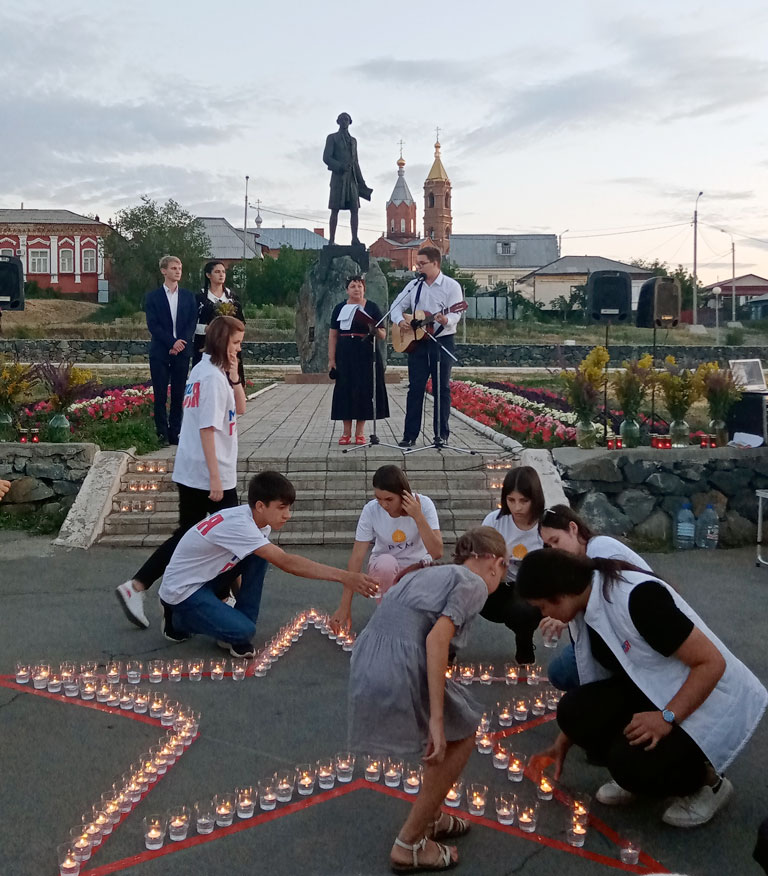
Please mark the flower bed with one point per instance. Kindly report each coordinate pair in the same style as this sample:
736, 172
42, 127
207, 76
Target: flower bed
114, 405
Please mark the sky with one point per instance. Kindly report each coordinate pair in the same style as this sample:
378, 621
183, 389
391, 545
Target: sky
598, 121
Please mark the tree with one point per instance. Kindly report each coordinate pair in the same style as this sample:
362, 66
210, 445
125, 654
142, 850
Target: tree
662, 269
467, 281
277, 280
143, 235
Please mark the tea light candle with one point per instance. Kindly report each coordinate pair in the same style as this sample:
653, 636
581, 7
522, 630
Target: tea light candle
149, 505
93, 832
155, 671
126, 700
619, 443
156, 705
81, 844
225, 810
545, 790
505, 714
195, 669
526, 820
140, 466
325, 776
113, 671
162, 467
629, 853
521, 710
175, 670
133, 487
217, 670
246, 803
178, 827
267, 799
68, 863
516, 768
538, 706
284, 788
484, 743
393, 772
140, 702
54, 683
153, 838
306, 781
167, 715
452, 797
113, 699
510, 674
23, 673
577, 834
411, 784
486, 673
610, 443
373, 770
500, 758
238, 670
150, 771
467, 673
151, 466
477, 799
102, 820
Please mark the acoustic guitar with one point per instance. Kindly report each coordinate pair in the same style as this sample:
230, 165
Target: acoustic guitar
406, 340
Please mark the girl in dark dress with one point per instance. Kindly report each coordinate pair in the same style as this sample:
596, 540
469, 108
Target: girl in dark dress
350, 356
215, 300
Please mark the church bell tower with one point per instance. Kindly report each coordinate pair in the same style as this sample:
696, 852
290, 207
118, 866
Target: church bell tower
437, 204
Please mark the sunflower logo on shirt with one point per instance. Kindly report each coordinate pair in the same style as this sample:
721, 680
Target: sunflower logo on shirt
519, 551
398, 536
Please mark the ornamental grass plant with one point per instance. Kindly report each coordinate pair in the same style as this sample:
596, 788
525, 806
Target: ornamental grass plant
631, 385
719, 387
679, 386
584, 384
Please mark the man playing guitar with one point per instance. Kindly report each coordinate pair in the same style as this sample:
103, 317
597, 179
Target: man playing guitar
431, 291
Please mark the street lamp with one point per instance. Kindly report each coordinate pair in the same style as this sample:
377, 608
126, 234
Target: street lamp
733, 275
560, 241
695, 242
717, 293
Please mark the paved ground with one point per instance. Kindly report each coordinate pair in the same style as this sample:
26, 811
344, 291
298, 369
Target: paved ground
58, 758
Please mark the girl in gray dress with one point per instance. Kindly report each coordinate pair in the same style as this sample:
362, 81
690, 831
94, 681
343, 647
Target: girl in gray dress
400, 701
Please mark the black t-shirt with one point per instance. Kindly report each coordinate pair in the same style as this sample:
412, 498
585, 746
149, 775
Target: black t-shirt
656, 617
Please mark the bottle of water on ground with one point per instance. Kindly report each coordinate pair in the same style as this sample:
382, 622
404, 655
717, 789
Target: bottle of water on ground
685, 528
708, 529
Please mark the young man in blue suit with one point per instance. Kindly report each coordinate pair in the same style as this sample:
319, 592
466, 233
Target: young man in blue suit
171, 319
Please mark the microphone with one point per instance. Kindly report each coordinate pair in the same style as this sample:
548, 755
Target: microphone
420, 275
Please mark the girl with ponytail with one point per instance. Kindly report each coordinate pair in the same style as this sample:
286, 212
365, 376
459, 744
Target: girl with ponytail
402, 704
663, 704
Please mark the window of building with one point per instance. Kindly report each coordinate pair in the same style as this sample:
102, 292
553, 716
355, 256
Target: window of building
38, 261
89, 261
66, 261
6, 252
392, 225
447, 231
447, 200
402, 226
491, 281
431, 200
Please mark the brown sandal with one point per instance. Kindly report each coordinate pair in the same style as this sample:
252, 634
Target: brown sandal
456, 827
444, 862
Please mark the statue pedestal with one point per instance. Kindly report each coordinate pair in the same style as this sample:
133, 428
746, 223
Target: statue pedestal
357, 252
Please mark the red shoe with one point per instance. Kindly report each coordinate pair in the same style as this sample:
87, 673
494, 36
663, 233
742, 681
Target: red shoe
345, 439
359, 439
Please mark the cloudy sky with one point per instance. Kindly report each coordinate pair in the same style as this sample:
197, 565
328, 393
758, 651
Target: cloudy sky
602, 118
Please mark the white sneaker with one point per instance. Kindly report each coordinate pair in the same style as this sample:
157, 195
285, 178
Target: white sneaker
699, 807
132, 603
612, 794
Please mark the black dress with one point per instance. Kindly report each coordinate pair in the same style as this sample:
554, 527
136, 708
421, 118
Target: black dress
353, 392
206, 313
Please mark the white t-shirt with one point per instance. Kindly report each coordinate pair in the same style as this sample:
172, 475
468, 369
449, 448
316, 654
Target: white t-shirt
520, 542
613, 549
396, 536
208, 401
216, 544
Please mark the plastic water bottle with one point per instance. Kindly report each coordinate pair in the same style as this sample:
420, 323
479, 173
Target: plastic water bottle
685, 528
708, 529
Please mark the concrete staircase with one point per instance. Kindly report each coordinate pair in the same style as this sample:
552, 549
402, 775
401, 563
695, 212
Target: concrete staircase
330, 495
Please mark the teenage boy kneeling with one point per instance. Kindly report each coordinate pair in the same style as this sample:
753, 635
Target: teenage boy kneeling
235, 542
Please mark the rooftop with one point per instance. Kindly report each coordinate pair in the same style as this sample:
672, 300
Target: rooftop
295, 238
474, 251
46, 217
226, 241
573, 264
401, 194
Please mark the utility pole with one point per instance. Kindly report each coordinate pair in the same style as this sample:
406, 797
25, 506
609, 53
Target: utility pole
245, 223
695, 243
733, 280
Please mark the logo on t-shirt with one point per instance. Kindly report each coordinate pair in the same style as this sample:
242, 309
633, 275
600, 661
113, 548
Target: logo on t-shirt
232, 422
626, 646
192, 395
398, 536
519, 551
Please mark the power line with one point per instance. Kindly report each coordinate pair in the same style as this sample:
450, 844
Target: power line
739, 235
616, 233
309, 219
664, 243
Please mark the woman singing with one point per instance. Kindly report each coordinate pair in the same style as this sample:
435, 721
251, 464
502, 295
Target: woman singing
350, 357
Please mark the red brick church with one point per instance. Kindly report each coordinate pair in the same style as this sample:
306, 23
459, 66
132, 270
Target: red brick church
402, 240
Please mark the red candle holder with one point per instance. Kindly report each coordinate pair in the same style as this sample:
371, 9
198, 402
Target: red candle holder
705, 440
619, 443
35, 433
654, 440
667, 443
610, 443
713, 440
23, 436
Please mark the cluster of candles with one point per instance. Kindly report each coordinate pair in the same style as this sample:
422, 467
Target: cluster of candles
143, 486
509, 807
152, 466
615, 443
498, 466
483, 673
662, 442
27, 436
708, 441
129, 789
137, 505
195, 669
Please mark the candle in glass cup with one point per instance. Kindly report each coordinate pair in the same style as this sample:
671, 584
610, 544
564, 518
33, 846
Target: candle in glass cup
102, 819
521, 709
453, 797
484, 743
238, 669
168, 714
217, 667
81, 843
224, 804
91, 830
534, 674
486, 673
372, 768
345, 766
54, 683
157, 705
629, 848
141, 702
467, 673
538, 706
393, 772
139, 466
113, 698
505, 807
510, 673
580, 809
87, 687
577, 834
326, 776
285, 781
477, 795
175, 670
204, 816
267, 794
154, 831
159, 758
151, 466
516, 768
504, 714
178, 823
123, 799
110, 806
71, 686
552, 699
133, 670
155, 671
162, 466
306, 779
195, 669
412, 778
611, 443
114, 668
23, 672
527, 816
126, 698
69, 865
545, 789
500, 757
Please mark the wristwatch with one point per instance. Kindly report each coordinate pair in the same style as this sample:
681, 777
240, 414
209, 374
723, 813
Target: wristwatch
668, 715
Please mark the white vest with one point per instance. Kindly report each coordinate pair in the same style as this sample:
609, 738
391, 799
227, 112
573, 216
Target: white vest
723, 723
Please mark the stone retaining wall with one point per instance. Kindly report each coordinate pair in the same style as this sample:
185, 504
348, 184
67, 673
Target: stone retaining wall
44, 477
286, 353
638, 492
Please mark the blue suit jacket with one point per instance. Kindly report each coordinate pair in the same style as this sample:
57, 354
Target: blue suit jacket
160, 324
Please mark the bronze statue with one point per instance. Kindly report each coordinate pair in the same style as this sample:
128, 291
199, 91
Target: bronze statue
347, 183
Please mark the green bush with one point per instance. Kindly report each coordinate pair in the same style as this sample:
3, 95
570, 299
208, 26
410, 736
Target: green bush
32, 289
123, 307
33, 522
734, 337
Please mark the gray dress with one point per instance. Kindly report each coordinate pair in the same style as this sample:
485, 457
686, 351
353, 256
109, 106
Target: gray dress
388, 690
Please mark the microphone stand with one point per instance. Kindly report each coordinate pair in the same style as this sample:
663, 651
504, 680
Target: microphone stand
374, 441
438, 443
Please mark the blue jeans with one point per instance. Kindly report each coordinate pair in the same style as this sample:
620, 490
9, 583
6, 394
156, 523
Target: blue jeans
203, 612
562, 671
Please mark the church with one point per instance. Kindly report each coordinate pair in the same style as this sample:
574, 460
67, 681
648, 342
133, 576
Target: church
401, 241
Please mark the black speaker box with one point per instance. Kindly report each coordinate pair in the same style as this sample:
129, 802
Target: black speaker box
659, 303
11, 283
609, 296
749, 414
